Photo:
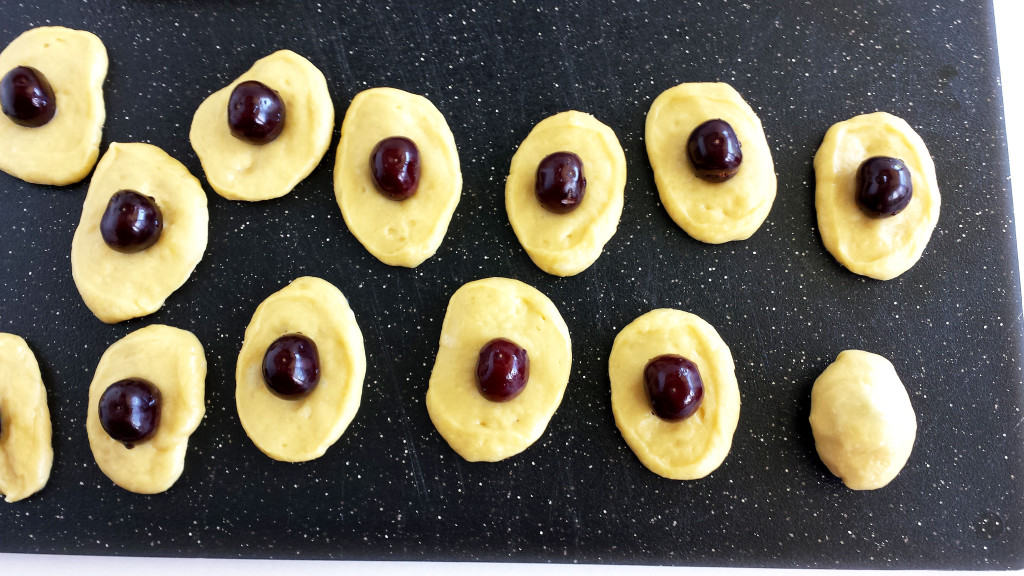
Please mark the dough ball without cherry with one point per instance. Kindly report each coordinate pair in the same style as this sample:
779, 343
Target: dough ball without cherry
863, 423
26, 452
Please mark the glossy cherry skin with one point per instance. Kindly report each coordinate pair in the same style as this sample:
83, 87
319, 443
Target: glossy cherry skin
130, 410
26, 97
255, 113
560, 184
714, 151
674, 386
502, 370
395, 166
883, 186
132, 222
291, 366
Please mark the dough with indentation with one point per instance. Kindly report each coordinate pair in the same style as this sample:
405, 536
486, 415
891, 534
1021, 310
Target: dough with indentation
26, 452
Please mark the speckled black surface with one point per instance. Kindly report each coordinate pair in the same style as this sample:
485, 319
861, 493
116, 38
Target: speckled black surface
391, 488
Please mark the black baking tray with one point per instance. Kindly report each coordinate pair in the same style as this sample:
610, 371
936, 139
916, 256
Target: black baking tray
391, 488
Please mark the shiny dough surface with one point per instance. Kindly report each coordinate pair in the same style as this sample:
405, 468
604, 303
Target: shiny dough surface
304, 428
475, 427
708, 211
881, 248
26, 451
567, 244
63, 150
406, 232
239, 170
172, 360
118, 286
686, 449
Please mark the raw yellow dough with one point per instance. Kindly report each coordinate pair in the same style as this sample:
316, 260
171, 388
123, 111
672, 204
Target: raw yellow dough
26, 453
239, 170
567, 244
708, 211
480, 311
684, 449
173, 361
63, 150
882, 248
406, 232
304, 428
118, 286
863, 424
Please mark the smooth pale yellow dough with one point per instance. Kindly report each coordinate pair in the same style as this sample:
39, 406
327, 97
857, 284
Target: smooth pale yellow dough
475, 427
172, 360
567, 244
405, 232
863, 424
708, 211
685, 449
301, 429
26, 453
881, 248
239, 170
118, 286
63, 150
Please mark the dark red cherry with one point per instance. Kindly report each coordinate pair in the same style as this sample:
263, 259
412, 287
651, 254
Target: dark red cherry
560, 183
502, 370
291, 366
130, 410
26, 97
883, 186
714, 151
674, 386
255, 113
395, 165
132, 222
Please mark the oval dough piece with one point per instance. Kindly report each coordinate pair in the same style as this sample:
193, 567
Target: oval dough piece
685, 449
475, 427
301, 429
567, 244
863, 423
172, 360
26, 452
239, 170
881, 248
708, 211
118, 286
63, 150
406, 232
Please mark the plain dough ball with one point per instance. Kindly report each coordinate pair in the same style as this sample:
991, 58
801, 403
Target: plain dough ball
172, 360
863, 424
304, 428
567, 244
685, 449
239, 170
117, 286
397, 232
475, 427
63, 150
26, 453
708, 211
882, 248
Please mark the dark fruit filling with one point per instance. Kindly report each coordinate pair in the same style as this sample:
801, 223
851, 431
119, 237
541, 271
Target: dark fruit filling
674, 386
502, 370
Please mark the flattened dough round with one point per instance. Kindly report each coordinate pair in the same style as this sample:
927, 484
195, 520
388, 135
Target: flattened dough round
26, 453
239, 170
118, 286
881, 248
475, 427
708, 211
406, 232
63, 150
301, 429
172, 360
863, 423
567, 244
684, 449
